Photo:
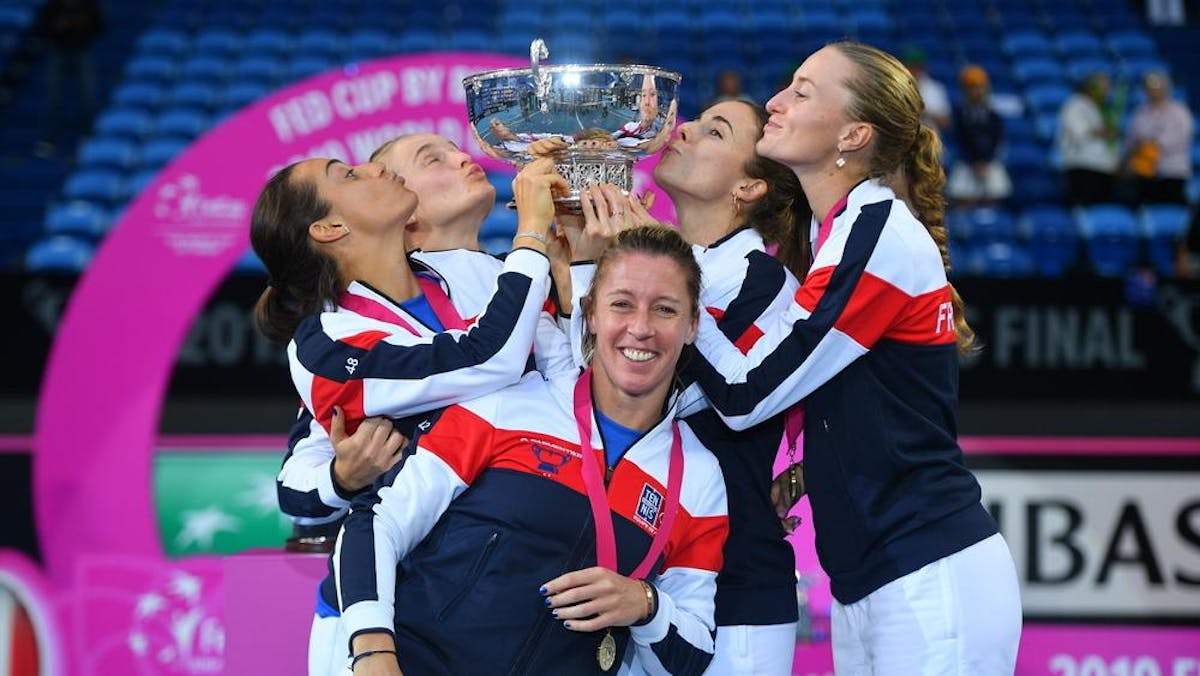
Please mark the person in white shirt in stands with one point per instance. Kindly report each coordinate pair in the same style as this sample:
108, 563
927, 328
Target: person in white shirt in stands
1087, 143
937, 101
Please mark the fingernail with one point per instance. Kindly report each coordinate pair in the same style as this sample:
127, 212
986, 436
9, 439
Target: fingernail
554, 614
542, 591
566, 625
547, 602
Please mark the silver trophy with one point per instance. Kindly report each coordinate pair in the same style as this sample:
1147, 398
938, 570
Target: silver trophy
610, 115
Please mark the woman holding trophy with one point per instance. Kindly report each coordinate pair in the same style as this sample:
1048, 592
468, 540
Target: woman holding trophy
731, 203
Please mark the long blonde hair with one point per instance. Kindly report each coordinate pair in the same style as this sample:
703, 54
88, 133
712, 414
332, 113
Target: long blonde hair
884, 94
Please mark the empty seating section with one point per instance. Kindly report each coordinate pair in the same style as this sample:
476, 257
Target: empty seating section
203, 59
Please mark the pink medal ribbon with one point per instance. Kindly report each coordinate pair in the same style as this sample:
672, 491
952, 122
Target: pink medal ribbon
606, 543
438, 301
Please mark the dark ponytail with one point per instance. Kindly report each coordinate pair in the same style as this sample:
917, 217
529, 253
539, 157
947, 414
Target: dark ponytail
302, 279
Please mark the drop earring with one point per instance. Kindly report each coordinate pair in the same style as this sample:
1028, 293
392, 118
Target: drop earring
737, 205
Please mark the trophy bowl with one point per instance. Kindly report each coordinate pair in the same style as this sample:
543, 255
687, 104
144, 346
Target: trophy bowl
609, 115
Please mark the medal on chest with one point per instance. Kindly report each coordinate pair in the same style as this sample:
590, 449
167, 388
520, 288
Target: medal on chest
606, 653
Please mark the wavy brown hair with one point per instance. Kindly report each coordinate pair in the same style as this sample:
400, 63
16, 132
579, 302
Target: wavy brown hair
884, 94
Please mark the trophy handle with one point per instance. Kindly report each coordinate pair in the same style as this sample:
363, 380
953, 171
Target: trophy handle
538, 51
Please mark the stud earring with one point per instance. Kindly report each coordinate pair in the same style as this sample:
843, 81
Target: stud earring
841, 162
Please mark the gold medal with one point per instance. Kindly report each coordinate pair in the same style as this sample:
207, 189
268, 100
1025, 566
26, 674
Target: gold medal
606, 654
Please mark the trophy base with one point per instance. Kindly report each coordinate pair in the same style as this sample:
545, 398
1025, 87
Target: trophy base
583, 170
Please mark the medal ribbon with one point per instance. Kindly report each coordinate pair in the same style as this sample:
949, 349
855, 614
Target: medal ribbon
438, 301
593, 480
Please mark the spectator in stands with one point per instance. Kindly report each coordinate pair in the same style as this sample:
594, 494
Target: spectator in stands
1087, 143
937, 102
1158, 145
729, 84
978, 177
68, 27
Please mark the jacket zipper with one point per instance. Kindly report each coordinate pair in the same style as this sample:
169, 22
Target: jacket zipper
476, 571
572, 563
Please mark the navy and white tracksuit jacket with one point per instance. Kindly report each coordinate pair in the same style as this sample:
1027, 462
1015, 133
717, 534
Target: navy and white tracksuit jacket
399, 374
869, 345
451, 549
743, 288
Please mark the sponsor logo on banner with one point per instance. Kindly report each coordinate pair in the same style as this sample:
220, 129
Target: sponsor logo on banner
196, 224
1101, 544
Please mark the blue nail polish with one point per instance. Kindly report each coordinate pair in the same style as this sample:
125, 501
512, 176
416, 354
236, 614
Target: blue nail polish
547, 602
542, 591
554, 614
567, 625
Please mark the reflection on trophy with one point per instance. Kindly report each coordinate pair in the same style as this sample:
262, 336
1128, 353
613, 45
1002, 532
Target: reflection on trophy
609, 115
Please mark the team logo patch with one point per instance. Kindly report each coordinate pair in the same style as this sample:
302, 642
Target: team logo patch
649, 506
549, 460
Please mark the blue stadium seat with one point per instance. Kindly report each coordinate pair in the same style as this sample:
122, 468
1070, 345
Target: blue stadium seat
155, 69
242, 94
502, 221
502, 181
1110, 232
162, 42
79, 218
143, 95
267, 41
1020, 157
1136, 68
205, 68
1053, 240
262, 69
160, 151
103, 186
822, 24
307, 66
249, 262
470, 41
319, 42
59, 254
197, 95
419, 40
182, 123
107, 153
1163, 226
1081, 68
1047, 98
127, 123
1005, 259
1026, 44
138, 182
1131, 44
1072, 44
370, 43
217, 42
1037, 70
990, 224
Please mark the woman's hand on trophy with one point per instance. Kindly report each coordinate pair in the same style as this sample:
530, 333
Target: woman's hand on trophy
547, 147
534, 190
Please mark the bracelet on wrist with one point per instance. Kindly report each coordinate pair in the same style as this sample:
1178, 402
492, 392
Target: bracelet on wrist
369, 653
649, 600
534, 236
